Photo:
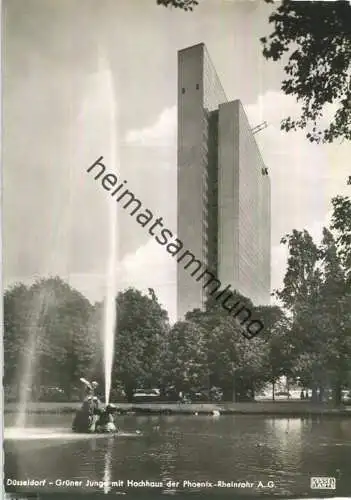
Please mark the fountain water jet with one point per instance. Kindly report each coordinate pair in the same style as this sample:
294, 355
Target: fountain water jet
27, 379
110, 313
30, 359
98, 120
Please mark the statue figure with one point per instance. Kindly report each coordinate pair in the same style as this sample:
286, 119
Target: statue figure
85, 418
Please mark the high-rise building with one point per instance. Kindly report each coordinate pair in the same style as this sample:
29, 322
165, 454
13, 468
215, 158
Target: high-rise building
223, 188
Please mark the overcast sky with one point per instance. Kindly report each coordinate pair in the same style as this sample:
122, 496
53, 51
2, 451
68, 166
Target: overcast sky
57, 121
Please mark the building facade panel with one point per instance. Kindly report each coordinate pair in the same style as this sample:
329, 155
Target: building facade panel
192, 151
254, 225
228, 194
223, 198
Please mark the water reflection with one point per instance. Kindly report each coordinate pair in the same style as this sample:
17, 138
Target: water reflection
167, 457
285, 437
108, 465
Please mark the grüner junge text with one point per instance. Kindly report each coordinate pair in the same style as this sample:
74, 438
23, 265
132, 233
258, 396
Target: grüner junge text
175, 247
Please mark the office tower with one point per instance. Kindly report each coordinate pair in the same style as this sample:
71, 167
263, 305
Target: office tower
223, 188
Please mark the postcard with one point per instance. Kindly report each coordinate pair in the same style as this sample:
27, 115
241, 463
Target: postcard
176, 194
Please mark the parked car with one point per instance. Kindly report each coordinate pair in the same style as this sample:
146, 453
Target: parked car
198, 395
282, 395
52, 394
204, 394
268, 395
146, 395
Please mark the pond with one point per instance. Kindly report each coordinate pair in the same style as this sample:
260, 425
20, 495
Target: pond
232, 456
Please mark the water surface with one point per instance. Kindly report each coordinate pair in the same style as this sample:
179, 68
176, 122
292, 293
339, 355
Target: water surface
282, 453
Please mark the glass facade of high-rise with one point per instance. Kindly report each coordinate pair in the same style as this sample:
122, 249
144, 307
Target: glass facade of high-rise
221, 195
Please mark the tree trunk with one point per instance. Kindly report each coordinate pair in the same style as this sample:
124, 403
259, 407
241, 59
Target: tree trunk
227, 393
337, 396
35, 394
162, 392
321, 394
273, 390
68, 392
129, 393
314, 397
234, 390
252, 390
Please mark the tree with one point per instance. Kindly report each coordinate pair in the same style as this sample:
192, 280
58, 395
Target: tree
278, 349
336, 294
317, 37
66, 349
47, 323
300, 295
185, 358
302, 278
234, 362
141, 327
335, 315
317, 293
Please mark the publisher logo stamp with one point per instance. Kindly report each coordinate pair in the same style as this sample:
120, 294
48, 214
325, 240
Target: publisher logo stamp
323, 483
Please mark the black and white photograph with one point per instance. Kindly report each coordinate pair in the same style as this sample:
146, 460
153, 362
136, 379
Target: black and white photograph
176, 249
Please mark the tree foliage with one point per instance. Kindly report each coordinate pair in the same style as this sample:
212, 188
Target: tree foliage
46, 328
235, 364
317, 292
341, 225
335, 314
303, 277
184, 363
277, 350
141, 327
317, 38
187, 5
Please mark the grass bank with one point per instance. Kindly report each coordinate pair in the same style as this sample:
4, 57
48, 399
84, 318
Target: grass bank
273, 408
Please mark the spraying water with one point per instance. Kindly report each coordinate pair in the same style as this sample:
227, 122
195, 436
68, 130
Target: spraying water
30, 360
98, 119
29, 364
26, 371
110, 314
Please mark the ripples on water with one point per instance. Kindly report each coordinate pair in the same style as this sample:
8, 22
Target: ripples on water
241, 448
